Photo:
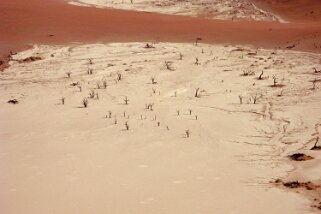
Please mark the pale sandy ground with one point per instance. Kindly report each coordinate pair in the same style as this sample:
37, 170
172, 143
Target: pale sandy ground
58, 158
218, 9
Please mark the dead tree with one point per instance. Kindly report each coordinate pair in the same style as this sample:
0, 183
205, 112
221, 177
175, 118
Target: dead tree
177, 111
275, 81
190, 111
197, 40
126, 100
187, 133
280, 94
241, 99
168, 65
68, 74
180, 56
196, 61
90, 71
105, 84
248, 73
317, 71
80, 89
261, 75
109, 114
63, 101
150, 106
127, 126
92, 94
90, 61
119, 76
153, 80
149, 46
85, 102
196, 93
98, 85
314, 82
254, 99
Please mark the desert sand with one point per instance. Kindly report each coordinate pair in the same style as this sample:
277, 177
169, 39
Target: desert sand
64, 158
93, 120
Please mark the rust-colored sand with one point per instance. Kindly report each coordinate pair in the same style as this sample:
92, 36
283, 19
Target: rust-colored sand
55, 22
295, 10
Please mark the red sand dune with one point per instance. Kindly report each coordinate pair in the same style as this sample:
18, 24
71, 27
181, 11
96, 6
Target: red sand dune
294, 10
55, 22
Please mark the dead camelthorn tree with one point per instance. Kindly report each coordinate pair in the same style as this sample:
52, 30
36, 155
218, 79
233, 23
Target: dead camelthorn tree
97, 96
177, 111
196, 61
280, 94
187, 133
150, 106
154, 90
115, 121
241, 99
90, 61
275, 81
68, 74
254, 99
127, 126
196, 93
248, 73
98, 85
190, 111
109, 114
168, 65
261, 76
85, 102
314, 82
196, 117
90, 71
63, 101
105, 84
180, 56
149, 46
316, 71
126, 100
80, 89
92, 94
153, 80
197, 40
158, 124
119, 76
